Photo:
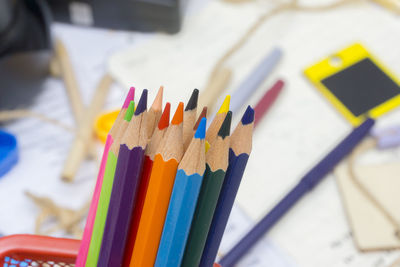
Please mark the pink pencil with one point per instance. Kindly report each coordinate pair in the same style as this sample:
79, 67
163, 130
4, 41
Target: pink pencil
87, 234
266, 101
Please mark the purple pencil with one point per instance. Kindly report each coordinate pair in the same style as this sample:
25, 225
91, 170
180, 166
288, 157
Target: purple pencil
124, 191
304, 186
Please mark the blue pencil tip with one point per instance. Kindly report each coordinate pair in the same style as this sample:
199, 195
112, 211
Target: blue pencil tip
248, 116
142, 105
201, 130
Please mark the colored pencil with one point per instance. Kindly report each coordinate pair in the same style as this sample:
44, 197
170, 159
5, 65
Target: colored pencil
189, 118
254, 80
87, 234
124, 190
105, 193
216, 123
158, 194
240, 148
154, 114
266, 101
183, 200
216, 165
203, 114
306, 184
144, 183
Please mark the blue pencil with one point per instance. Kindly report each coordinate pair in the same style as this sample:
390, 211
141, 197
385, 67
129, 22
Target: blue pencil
183, 202
307, 183
239, 151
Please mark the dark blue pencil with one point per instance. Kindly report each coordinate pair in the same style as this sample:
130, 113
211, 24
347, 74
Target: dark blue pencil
124, 190
307, 183
240, 148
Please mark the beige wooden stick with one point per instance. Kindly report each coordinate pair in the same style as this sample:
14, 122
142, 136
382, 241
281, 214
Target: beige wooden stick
54, 67
65, 219
83, 139
71, 84
216, 85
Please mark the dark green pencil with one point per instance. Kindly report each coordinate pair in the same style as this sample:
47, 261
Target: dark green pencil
216, 165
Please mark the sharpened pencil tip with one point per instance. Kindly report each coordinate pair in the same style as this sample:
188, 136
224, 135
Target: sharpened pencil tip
130, 111
225, 129
203, 114
178, 116
157, 104
129, 97
225, 105
192, 104
201, 130
248, 116
142, 105
164, 120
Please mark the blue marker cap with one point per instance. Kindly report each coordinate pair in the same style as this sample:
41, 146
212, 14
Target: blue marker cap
8, 152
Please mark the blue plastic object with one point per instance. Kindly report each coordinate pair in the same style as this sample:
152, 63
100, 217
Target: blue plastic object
8, 152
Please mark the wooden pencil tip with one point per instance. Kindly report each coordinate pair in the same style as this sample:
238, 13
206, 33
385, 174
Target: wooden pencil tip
129, 97
225, 105
192, 104
178, 116
164, 120
130, 111
142, 105
248, 116
225, 129
157, 104
203, 114
201, 130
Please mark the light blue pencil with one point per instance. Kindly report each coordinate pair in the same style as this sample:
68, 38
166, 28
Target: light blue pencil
253, 81
183, 202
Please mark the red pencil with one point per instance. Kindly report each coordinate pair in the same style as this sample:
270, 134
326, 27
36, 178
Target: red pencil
147, 166
266, 101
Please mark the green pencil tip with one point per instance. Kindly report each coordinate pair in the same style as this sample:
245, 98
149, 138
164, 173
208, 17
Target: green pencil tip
225, 129
130, 111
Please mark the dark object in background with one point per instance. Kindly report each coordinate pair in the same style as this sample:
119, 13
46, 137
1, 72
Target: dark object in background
24, 50
362, 86
137, 15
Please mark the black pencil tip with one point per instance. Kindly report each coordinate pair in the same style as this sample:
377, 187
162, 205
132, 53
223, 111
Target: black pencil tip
192, 104
225, 129
248, 116
142, 105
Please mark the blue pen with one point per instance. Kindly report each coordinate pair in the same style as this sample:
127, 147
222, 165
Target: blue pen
183, 201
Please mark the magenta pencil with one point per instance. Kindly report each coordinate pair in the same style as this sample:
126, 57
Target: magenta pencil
87, 234
267, 100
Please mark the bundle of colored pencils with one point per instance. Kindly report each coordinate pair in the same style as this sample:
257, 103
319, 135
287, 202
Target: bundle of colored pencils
165, 189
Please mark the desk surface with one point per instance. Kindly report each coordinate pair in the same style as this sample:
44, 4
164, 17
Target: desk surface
300, 128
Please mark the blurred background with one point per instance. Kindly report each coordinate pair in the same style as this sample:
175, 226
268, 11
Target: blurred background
64, 64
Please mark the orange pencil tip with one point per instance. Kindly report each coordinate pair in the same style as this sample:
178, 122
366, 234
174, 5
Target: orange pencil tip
178, 116
164, 120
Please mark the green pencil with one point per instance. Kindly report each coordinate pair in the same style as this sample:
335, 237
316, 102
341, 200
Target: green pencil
216, 165
105, 193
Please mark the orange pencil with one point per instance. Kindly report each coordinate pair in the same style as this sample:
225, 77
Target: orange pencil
158, 194
150, 153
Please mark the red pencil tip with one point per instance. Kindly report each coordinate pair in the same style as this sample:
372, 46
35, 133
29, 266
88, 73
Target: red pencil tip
178, 116
164, 120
